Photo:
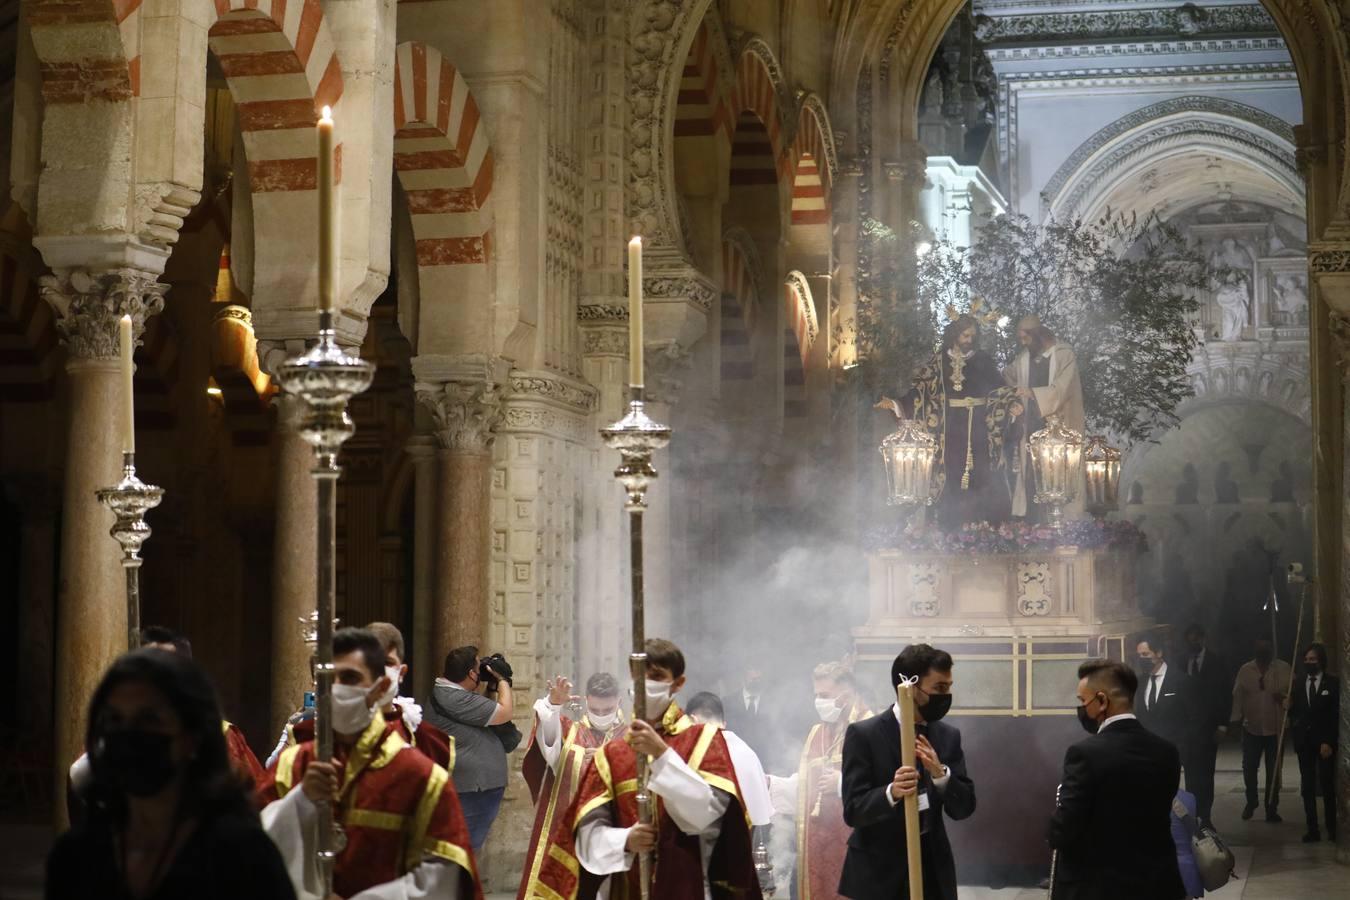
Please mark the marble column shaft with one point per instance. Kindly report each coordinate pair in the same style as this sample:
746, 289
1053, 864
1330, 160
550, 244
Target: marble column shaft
427, 662
91, 601
465, 415
294, 563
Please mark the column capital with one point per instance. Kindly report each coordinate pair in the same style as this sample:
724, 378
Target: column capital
466, 413
89, 305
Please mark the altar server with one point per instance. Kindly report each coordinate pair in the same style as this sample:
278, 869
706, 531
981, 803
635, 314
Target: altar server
403, 829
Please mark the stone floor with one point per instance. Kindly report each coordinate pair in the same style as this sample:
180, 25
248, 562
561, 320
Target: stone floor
1272, 863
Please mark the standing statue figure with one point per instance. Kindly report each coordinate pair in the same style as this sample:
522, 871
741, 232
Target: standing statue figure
1231, 267
960, 398
1045, 374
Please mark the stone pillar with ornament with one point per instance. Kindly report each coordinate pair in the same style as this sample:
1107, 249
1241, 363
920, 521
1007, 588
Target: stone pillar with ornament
295, 545
91, 606
465, 410
1329, 263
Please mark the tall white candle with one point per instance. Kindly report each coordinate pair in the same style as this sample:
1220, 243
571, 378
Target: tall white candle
635, 312
128, 393
327, 237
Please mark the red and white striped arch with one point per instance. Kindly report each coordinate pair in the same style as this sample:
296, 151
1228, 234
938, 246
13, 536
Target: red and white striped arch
102, 64
811, 172
702, 107
757, 147
740, 300
443, 159
281, 64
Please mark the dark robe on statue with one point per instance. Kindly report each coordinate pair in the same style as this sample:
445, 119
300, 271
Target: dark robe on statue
968, 415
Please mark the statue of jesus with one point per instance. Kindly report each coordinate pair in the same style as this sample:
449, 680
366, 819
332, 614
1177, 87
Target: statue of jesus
961, 399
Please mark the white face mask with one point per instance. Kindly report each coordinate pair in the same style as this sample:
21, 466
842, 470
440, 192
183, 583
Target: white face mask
351, 714
658, 697
602, 721
388, 696
828, 711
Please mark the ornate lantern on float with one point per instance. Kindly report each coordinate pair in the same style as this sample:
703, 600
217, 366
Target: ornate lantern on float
1057, 454
1101, 475
909, 454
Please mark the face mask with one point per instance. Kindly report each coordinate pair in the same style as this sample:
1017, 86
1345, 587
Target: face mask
1090, 725
827, 710
136, 762
388, 696
938, 705
1312, 668
1143, 666
351, 715
658, 696
602, 721
1264, 657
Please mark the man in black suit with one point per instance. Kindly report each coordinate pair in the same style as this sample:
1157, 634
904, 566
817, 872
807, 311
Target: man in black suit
1162, 703
875, 782
1112, 825
1210, 691
1315, 704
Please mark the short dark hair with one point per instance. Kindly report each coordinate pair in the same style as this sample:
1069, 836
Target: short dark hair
917, 660
708, 704
390, 637
360, 640
602, 684
459, 662
1155, 643
1116, 678
158, 634
661, 652
1320, 649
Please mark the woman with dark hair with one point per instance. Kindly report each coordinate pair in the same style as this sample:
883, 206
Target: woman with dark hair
168, 817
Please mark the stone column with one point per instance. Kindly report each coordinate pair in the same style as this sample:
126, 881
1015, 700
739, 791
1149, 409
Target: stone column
465, 415
422, 450
91, 600
294, 562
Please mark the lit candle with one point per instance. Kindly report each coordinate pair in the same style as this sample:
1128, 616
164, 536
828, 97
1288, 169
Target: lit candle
327, 244
635, 312
128, 395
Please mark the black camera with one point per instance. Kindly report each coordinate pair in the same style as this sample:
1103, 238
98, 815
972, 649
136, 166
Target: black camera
496, 663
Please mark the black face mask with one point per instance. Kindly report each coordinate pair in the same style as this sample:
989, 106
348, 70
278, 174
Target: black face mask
938, 705
136, 762
1312, 668
1265, 657
1090, 725
1143, 666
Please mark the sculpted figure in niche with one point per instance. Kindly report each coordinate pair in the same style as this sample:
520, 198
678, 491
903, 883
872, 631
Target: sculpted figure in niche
1232, 267
1291, 300
1188, 491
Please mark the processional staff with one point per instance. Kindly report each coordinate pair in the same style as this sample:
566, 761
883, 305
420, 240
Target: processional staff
904, 699
637, 437
325, 378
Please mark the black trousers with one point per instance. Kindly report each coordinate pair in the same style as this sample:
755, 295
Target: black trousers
1312, 768
1202, 754
1253, 748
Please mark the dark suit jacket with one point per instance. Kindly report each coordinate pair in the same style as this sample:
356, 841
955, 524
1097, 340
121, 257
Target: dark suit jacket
1211, 695
1170, 716
755, 727
1112, 827
874, 867
1315, 725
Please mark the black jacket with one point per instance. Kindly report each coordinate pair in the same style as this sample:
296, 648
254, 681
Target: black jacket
1112, 827
1171, 714
1315, 725
874, 868
1211, 695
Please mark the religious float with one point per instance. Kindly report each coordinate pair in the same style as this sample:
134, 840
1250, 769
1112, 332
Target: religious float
1019, 605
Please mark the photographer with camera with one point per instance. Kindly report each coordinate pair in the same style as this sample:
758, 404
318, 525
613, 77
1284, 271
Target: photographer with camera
481, 729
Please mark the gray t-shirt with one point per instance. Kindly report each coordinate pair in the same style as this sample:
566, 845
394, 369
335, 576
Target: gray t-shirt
480, 759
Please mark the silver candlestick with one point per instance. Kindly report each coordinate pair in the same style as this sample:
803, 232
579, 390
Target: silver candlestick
129, 501
636, 436
326, 378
